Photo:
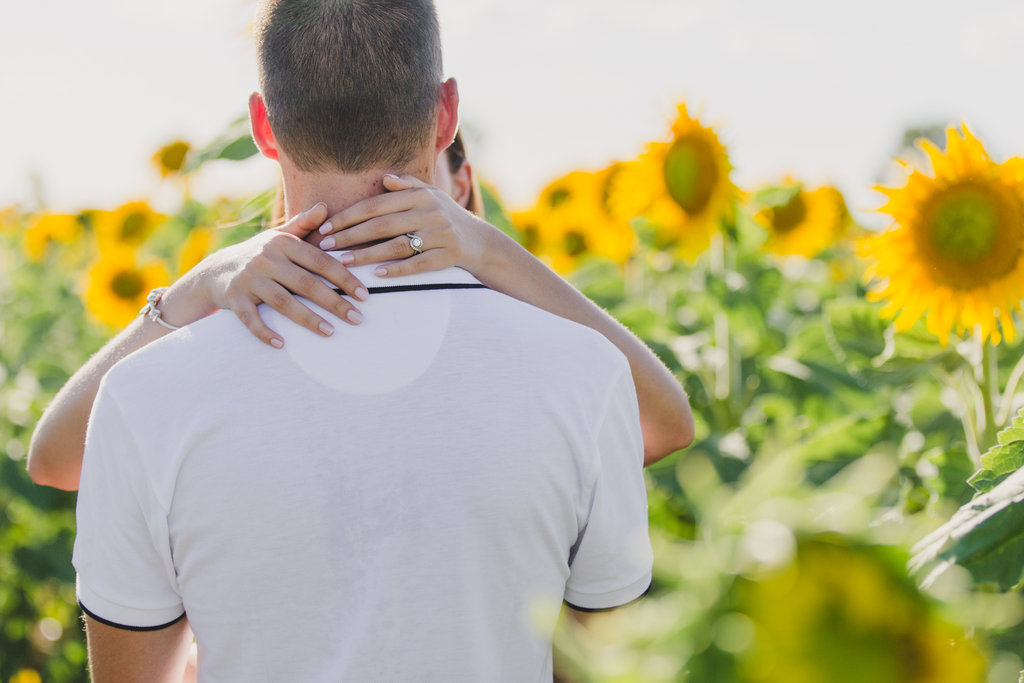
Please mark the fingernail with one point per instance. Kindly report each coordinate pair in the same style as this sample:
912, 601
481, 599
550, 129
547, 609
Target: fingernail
354, 316
391, 175
317, 206
276, 343
325, 228
361, 293
326, 329
347, 258
327, 243
381, 272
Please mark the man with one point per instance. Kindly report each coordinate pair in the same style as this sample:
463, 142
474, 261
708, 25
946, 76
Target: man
410, 500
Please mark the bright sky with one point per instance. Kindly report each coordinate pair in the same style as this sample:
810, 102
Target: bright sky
822, 90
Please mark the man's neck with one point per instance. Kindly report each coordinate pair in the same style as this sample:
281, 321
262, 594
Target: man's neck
338, 191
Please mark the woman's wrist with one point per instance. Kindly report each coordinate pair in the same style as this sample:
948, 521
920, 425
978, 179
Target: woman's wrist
187, 299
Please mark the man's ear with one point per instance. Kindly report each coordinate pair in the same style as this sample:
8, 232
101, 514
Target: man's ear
447, 115
260, 125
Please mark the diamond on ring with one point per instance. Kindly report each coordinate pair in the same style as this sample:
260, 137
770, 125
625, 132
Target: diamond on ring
415, 242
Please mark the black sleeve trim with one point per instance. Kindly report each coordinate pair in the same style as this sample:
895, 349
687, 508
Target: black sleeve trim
608, 609
107, 622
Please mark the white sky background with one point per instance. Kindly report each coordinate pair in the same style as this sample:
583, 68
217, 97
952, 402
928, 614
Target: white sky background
822, 90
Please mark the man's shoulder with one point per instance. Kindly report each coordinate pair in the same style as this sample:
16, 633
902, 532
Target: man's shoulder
547, 336
554, 329
190, 352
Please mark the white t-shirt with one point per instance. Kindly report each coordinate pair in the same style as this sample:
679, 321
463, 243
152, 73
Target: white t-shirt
409, 499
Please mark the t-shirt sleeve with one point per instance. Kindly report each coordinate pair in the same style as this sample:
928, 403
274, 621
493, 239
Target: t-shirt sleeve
613, 558
122, 553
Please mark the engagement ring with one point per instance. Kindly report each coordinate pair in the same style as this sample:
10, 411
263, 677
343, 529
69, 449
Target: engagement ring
415, 242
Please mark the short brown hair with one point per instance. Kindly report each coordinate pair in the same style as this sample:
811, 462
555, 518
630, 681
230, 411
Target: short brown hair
350, 84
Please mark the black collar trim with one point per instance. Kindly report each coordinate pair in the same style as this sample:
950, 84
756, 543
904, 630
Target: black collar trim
420, 288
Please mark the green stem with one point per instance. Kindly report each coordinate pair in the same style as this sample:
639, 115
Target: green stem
989, 389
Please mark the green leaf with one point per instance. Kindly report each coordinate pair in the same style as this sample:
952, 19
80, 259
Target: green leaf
839, 443
985, 536
495, 213
234, 144
779, 195
1002, 459
854, 331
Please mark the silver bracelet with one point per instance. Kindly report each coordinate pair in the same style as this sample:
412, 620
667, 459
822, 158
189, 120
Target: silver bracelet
151, 311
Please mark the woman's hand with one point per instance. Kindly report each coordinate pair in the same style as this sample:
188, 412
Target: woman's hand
452, 236
274, 266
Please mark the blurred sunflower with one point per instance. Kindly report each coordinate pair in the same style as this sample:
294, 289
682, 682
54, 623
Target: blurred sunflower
196, 247
802, 222
129, 225
26, 676
955, 250
8, 220
117, 286
683, 187
170, 158
572, 219
50, 227
526, 223
838, 604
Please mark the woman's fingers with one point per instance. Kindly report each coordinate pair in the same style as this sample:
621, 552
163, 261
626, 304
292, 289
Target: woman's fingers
300, 280
316, 262
371, 207
395, 248
285, 303
306, 222
382, 228
435, 259
249, 315
402, 182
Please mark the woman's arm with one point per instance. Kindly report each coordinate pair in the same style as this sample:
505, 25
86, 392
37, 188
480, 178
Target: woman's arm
453, 236
263, 268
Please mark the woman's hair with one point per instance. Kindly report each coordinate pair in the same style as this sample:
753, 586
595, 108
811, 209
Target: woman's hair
456, 154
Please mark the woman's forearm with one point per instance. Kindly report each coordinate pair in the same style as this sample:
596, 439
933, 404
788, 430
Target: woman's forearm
55, 451
665, 415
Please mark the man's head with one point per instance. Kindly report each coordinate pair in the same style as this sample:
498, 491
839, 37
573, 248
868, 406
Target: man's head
350, 85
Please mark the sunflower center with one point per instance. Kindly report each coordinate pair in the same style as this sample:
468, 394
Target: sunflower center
133, 229
973, 232
965, 226
789, 215
558, 197
172, 157
127, 284
575, 243
690, 173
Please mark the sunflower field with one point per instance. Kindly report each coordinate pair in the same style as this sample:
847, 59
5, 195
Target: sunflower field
850, 510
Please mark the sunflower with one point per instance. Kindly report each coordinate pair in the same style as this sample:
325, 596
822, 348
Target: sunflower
170, 158
8, 220
50, 227
682, 185
955, 251
129, 225
196, 246
117, 286
838, 603
572, 219
801, 222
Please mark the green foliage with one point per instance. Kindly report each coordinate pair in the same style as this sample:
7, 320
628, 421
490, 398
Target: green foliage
234, 144
1003, 459
986, 536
